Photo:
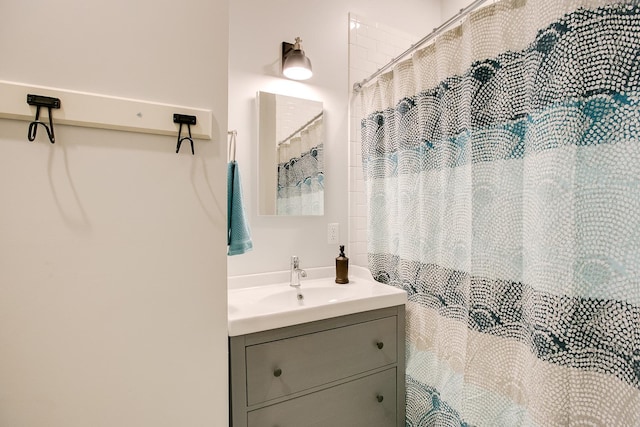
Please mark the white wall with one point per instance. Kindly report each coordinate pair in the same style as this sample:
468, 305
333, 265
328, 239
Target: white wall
257, 29
112, 247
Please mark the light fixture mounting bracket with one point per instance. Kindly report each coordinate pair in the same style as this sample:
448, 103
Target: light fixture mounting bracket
286, 49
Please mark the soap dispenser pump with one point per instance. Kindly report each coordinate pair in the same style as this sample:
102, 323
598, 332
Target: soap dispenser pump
342, 267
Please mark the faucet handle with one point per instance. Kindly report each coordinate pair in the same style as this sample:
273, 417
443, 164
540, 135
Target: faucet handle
295, 263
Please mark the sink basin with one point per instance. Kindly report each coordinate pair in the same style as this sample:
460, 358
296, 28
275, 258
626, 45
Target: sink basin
266, 307
308, 296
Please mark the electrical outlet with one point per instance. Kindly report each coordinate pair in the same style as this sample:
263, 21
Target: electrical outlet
333, 233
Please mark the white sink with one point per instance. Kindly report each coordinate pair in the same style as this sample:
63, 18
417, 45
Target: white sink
266, 307
317, 294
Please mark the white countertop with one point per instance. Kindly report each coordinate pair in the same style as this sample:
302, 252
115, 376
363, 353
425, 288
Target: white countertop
259, 308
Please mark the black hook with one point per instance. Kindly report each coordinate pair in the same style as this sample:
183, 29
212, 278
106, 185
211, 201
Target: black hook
42, 101
188, 120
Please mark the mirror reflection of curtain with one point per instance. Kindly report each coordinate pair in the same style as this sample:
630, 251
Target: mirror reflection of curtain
300, 173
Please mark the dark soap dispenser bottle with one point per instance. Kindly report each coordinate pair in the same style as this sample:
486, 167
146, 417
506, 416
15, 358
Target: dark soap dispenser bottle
342, 267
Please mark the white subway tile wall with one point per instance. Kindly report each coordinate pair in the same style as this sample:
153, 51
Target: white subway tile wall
371, 46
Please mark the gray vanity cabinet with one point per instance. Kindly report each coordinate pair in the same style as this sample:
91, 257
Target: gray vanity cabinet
346, 371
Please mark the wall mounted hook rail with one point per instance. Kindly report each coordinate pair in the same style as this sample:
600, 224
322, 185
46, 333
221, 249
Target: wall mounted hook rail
42, 101
187, 120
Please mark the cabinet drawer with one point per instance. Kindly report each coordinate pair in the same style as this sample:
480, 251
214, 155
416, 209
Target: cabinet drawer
280, 368
368, 401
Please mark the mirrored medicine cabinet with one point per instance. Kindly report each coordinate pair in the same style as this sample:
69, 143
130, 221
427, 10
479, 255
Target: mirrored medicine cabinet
290, 156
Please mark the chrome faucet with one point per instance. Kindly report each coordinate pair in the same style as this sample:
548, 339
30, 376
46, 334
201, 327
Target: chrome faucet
296, 272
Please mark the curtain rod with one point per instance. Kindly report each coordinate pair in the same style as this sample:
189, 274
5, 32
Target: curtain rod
436, 32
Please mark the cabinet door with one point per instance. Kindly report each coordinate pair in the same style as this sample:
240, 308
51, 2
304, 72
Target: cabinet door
365, 402
284, 367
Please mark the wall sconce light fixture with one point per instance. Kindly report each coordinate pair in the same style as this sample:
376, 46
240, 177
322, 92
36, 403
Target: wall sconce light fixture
295, 64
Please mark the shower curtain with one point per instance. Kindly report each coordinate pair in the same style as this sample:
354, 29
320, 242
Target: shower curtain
301, 173
502, 168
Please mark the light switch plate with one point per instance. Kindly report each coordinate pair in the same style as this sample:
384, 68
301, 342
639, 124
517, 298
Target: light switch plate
333, 233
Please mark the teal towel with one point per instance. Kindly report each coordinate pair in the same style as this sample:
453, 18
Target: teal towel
238, 233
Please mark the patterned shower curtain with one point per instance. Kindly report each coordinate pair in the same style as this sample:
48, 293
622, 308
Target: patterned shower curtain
301, 173
502, 167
